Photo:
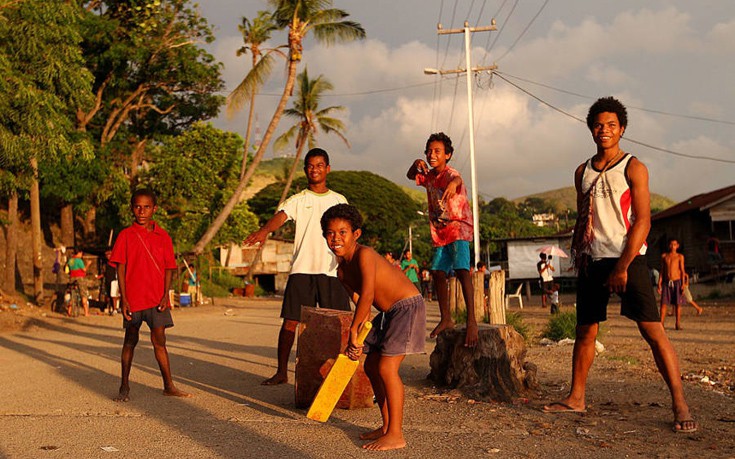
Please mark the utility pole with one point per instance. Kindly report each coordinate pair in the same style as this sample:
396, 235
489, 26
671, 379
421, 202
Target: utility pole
469, 71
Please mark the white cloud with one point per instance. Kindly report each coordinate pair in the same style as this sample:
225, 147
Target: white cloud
667, 59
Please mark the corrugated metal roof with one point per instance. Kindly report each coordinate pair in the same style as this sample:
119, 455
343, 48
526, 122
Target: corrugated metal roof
695, 202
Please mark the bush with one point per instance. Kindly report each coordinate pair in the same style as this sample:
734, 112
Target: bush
221, 284
515, 320
560, 326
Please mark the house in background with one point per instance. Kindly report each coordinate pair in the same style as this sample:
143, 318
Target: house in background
271, 271
549, 220
692, 222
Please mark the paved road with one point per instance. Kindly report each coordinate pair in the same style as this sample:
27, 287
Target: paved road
58, 377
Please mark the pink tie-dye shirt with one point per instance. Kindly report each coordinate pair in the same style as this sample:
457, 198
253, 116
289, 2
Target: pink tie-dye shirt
452, 220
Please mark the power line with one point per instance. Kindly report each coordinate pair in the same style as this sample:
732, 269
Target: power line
584, 96
637, 142
528, 26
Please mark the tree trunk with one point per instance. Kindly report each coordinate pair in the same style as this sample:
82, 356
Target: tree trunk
136, 159
67, 225
301, 142
11, 244
495, 369
215, 226
90, 228
36, 235
251, 113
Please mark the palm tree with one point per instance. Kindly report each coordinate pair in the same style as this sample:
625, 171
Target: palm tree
254, 34
309, 120
300, 17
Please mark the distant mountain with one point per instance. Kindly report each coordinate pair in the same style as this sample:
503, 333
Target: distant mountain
566, 198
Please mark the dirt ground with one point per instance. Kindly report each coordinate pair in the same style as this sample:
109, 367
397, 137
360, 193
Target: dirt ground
58, 375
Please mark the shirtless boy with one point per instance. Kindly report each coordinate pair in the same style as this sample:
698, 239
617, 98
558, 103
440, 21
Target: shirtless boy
397, 331
671, 281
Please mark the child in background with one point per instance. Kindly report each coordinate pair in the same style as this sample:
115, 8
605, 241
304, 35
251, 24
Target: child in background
554, 298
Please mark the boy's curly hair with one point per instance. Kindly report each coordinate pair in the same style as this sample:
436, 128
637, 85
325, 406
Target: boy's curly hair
342, 212
443, 138
144, 192
607, 104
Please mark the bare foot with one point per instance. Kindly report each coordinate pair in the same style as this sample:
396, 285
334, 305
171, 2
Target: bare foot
275, 380
373, 434
443, 325
699, 311
386, 442
123, 395
174, 392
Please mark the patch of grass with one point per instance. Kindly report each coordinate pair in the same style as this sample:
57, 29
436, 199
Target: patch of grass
714, 294
515, 319
560, 326
459, 317
624, 358
221, 284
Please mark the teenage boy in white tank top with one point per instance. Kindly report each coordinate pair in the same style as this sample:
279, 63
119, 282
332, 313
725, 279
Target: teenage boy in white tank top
613, 259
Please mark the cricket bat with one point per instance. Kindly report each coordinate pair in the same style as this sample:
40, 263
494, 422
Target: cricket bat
336, 382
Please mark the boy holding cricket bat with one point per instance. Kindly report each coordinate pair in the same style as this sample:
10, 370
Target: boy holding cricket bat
398, 330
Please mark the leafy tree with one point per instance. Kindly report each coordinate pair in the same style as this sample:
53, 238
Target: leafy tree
43, 76
534, 205
193, 175
254, 34
501, 219
151, 79
300, 17
309, 120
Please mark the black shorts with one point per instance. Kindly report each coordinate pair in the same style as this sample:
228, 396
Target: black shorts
310, 290
637, 302
152, 316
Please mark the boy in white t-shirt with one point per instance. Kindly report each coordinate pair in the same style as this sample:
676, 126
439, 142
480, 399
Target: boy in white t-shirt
313, 277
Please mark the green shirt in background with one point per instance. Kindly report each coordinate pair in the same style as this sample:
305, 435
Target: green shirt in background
412, 274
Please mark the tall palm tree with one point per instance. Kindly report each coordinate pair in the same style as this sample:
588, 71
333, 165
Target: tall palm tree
310, 120
300, 17
254, 34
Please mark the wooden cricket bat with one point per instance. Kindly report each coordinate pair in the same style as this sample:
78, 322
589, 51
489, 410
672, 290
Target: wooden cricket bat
336, 382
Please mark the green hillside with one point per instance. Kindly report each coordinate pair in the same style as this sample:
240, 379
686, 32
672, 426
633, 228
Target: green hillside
566, 198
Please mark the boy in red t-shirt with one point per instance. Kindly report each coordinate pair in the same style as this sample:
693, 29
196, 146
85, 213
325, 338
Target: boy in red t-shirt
144, 257
451, 224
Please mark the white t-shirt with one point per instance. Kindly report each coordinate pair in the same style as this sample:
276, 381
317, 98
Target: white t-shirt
311, 255
546, 275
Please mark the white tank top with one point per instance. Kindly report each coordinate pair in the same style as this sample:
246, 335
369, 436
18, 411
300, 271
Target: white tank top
611, 207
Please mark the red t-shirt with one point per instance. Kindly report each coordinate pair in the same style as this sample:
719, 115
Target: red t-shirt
450, 221
146, 256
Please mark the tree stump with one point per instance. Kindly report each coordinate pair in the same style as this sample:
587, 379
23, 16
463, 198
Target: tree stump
494, 370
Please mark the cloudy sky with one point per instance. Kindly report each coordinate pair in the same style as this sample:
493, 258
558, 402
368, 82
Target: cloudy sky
670, 62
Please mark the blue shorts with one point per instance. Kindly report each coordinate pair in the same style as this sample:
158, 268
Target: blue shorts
453, 256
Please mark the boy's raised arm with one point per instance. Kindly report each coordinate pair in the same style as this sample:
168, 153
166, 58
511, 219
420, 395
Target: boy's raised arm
418, 167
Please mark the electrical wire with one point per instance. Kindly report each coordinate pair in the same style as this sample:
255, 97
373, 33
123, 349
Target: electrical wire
584, 96
637, 142
528, 26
